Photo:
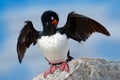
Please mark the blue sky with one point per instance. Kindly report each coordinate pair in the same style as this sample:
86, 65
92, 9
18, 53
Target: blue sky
13, 13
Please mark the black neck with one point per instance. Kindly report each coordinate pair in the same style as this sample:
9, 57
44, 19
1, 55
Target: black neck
49, 30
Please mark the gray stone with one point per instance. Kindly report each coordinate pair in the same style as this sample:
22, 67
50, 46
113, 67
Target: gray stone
86, 69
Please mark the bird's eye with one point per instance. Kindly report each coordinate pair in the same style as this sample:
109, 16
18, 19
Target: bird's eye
52, 17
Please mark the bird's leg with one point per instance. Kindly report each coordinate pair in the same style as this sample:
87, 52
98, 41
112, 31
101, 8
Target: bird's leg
64, 67
51, 70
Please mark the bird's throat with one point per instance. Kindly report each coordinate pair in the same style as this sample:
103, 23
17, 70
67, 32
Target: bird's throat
49, 30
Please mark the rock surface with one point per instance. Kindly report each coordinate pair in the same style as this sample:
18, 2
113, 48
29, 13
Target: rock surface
87, 69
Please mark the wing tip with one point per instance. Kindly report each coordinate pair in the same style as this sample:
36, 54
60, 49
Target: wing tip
71, 13
107, 33
20, 59
28, 21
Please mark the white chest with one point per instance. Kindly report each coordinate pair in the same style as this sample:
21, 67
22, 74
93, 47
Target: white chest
54, 48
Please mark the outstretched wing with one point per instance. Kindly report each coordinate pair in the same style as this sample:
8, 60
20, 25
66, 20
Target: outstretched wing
80, 27
28, 35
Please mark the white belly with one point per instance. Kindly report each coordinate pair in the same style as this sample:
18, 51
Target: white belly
54, 48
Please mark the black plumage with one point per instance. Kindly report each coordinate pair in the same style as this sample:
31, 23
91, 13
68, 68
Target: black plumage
28, 35
77, 27
80, 27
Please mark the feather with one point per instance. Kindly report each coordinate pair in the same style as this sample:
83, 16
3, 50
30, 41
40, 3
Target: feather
80, 27
28, 35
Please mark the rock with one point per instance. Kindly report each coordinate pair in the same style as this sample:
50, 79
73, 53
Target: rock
87, 69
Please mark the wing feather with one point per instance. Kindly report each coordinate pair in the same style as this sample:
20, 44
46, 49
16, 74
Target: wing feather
28, 35
80, 27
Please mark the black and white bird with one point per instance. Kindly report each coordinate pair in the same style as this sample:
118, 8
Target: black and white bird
53, 41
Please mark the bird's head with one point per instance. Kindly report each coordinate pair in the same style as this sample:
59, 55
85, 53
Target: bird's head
49, 18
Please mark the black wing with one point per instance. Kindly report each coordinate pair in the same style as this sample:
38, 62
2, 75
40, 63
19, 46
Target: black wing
28, 35
79, 27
